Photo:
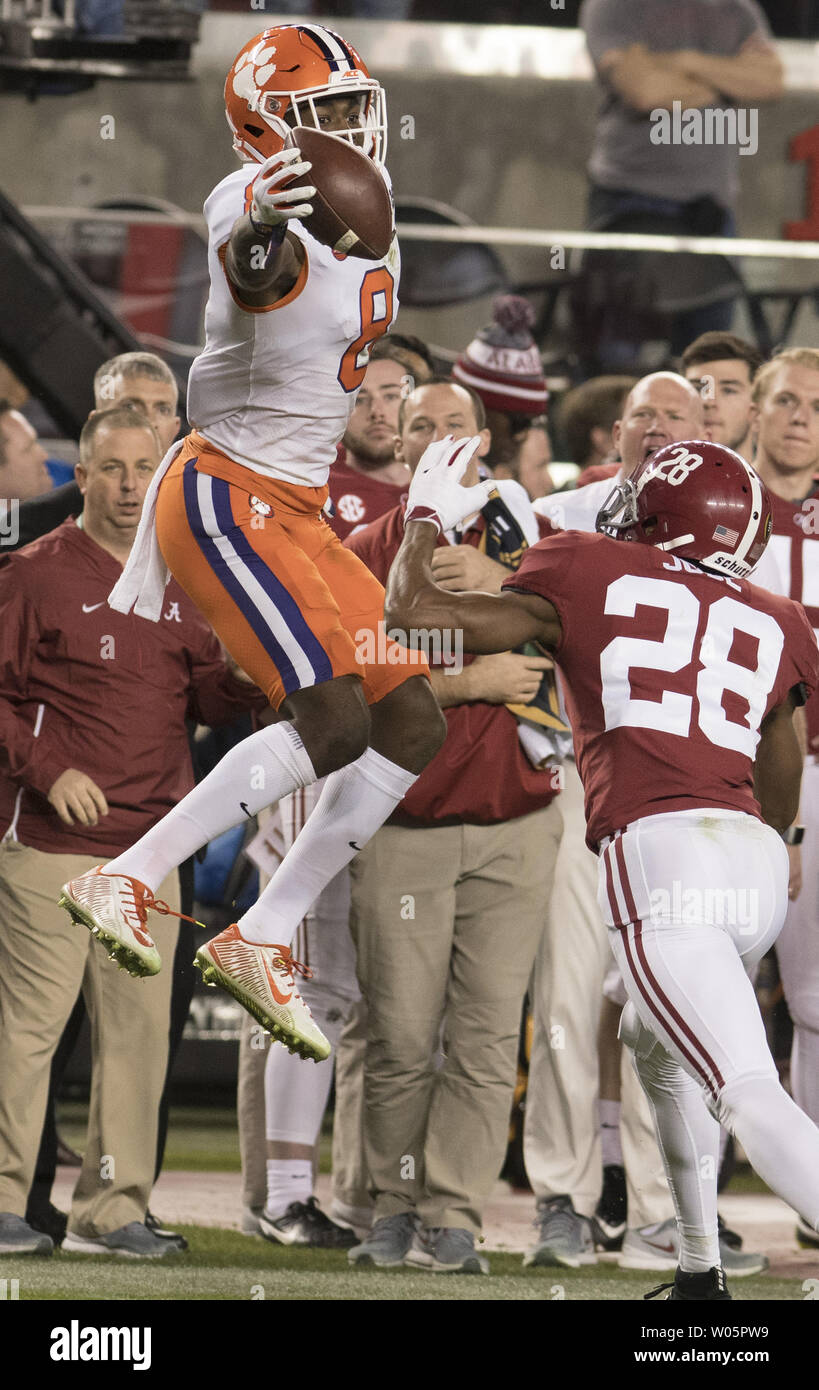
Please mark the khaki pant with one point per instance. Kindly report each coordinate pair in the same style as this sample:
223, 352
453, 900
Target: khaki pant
446, 924
561, 1145
45, 960
350, 1181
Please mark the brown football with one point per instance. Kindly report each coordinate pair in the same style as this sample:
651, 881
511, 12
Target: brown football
352, 208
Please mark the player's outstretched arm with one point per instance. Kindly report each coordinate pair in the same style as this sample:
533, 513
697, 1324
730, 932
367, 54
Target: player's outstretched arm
778, 767
487, 622
262, 262
438, 501
260, 272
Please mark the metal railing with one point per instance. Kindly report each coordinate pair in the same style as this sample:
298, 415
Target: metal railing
533, 237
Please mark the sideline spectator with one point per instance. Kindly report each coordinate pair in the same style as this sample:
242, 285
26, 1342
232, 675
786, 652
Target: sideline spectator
587, 416
503, 366
23, 472
143, 380
140, 379
648, 55
722, 367
93, 750
654, 57
459, 874
366, 479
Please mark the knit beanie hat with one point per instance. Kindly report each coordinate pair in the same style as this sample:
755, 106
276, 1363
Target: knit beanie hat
503, 364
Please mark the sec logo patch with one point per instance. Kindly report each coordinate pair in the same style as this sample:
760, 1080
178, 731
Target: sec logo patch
350, 507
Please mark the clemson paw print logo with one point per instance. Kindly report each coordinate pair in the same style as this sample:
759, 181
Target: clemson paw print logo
254, 69
260, 508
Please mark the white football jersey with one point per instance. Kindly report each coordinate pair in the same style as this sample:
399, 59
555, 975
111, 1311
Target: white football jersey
274, 388
576, 510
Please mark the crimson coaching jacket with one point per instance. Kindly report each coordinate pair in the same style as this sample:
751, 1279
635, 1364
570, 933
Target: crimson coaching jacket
107, 693
481, 776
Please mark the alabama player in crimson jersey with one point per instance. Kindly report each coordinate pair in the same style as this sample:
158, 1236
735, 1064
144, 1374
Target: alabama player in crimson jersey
682, 679
786, 398
237, 515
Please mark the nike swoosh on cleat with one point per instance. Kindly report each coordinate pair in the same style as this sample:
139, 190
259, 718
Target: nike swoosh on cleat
280, 998
89, 607
655, 1245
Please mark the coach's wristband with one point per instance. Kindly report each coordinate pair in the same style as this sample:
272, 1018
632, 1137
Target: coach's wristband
794, 835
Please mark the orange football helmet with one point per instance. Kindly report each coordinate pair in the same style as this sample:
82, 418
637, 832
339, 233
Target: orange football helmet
279, 76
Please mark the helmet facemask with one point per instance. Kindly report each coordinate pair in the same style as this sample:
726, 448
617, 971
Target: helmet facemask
619, 511
284, 112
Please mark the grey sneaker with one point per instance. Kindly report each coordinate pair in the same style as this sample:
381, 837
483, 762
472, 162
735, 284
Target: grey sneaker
18, 1238
446, 1250
657, 1247
388, 1243
134, 1241
564, 1237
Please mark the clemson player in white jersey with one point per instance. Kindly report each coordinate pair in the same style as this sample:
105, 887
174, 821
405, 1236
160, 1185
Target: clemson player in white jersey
237, 513
681, 683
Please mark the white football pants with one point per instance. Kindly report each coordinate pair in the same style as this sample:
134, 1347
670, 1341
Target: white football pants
694, 899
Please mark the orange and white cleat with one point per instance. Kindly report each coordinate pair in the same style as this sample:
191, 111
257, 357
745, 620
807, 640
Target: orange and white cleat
114, 908
262, 979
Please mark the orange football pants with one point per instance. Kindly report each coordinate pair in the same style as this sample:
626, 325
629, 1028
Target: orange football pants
290, 604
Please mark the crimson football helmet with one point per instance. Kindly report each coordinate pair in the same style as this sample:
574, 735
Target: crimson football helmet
695, 499
279, 76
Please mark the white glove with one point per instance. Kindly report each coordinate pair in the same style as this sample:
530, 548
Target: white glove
273, 205
435, 493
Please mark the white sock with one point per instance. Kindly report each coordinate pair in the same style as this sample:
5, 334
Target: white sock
355, 802
296, 1096
608, 1119
258, 771
288, 1180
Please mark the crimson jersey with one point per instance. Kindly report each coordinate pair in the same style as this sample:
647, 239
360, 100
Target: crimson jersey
670, 671
790, 566
359, 499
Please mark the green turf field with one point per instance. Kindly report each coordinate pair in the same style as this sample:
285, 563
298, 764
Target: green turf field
223, 1264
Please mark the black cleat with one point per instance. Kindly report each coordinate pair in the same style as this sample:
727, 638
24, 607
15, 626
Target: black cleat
728, 1237
45, 1218
304, 1223
709, 1286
